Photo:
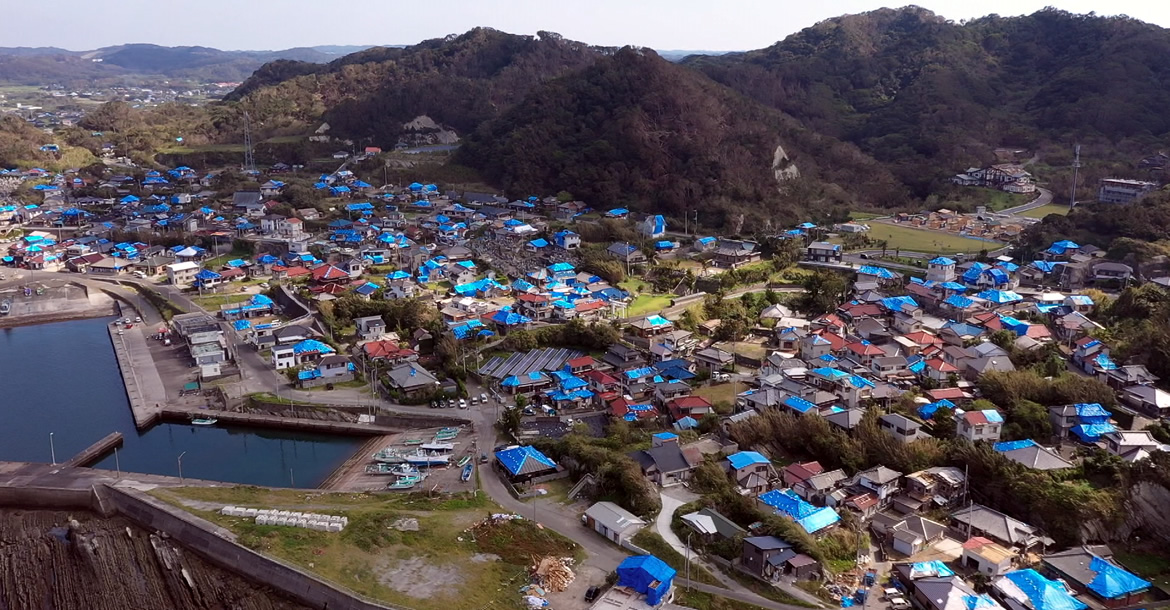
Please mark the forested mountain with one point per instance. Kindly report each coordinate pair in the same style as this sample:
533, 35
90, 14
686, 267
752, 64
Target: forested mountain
50, 65
634, 129
459, 81
928, 96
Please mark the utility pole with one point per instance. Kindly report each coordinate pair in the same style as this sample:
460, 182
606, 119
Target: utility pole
1072, 200
52, 450
181, 467
249, 157
689, 560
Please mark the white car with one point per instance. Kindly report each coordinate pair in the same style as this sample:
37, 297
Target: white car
483, 397
462, 403
721, 377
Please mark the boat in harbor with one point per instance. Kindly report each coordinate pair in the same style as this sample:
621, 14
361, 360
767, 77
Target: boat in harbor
466, 476
389, 456
423, 459
413, 441
406, 482
463, 461
440, 447
204, 421
381, 468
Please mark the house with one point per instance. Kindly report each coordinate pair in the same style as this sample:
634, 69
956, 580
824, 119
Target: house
370, 327
823, 252
810, 518
980, 425
626, 253
1091, 571
388, 352
287, 335
978, 520
522, 463
732, 254
182, 274
653, 226
330, 369
1029, 590
902, 428
613, 522
846, 420
770, 558
819, 487
1148, 400
941, 270
932, 585
711, 526
1132, 445
412, 381
914, 535
1129, 375
1118, 190
883, 482
713, 359
1032, 455
646, 575
664, 462
696, 407
938, 486
751, 471
1111, 272
110, 266
987, 557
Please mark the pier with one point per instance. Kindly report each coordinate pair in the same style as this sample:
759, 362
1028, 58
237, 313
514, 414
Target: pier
262, 420
95, 452
144, 386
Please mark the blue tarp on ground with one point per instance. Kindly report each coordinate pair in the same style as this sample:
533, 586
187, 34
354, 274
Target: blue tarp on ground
1112, 582
647, 575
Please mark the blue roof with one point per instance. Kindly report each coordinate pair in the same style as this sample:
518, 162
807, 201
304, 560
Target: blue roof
1014, 445
207, 275
959, 301
524, 460
897, 303
881, 272
657, 320
647, 575
640, 373
538, 243
1043, 593
1000, 297
1112, 581
1046, 266
242, 324
942, 260
1091, 433
809, 517
618, 211
799, 404
1081, 299
1091, 409
359, 207
310, 346
927, 411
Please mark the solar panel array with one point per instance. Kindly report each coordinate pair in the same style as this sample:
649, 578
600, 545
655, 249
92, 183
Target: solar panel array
522, 363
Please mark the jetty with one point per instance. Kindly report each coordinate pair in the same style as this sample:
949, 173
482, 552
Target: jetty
264, 420
95, 452
144, 385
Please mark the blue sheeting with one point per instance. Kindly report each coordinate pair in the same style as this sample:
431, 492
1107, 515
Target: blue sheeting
743, 459
1013, 445
1043, 593
1112, 581
811, 518
524, 460
647, 575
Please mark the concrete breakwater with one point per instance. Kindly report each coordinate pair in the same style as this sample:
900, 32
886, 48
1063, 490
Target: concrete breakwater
144, 386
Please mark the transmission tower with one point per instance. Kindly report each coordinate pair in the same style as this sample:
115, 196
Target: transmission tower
249, 158
1072, 200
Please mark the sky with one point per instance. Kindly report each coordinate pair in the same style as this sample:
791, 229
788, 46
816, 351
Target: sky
717, 25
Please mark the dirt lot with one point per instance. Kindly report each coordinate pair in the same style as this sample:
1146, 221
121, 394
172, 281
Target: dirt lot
352, 475
67, 561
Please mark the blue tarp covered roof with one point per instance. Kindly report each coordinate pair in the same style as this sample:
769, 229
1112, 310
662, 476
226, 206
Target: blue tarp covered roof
809, 517
942, 260
1043, 593
874, 270
310, 346
538, 243
524, 460
799, 404
1112, 581
647, 575
744, 459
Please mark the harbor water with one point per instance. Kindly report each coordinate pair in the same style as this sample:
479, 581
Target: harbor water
62, 379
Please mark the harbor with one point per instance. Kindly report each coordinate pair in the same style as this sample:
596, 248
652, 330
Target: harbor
434, 459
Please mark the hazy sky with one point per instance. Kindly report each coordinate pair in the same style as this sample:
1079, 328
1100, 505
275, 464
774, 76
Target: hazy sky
660, 24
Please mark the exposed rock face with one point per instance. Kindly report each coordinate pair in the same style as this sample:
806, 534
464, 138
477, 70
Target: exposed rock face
1146, 508
783, 167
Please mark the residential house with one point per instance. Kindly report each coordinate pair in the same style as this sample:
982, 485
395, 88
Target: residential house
1092, 572
771, 558
711, 526
932, 585
713, 359
987, 557
182, 274
1032, 455
329, 369
978, 520
846, 420
810, 518
695, 407
1132, 446
626, 253
1147, 399
823, 252
1028, 590
522, 463
664, 462
883, 482
980, 425
902, 428
937, 486
412, 381
613, 522
818, 488
370, 327
751, 471
914, 535
732, 254
1128, 375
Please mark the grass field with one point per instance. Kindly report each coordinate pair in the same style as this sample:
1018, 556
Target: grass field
441, 565
865, 215
1045, 210
213, 302
919, 240
648, 303
723, 392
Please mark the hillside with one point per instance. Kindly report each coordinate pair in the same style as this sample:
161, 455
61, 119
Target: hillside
930, 97
459, 81
636, 130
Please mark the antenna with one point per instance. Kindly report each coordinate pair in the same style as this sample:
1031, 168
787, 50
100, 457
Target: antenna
249, 158
1072, 200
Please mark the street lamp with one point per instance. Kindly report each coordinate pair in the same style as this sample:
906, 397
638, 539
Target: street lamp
52, 450
181, 466
689, 560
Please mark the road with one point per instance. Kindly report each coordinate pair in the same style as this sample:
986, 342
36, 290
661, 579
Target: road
1043, 199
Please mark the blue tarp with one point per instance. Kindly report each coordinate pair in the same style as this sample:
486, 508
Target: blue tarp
647, 575
1091, 433
942, 260
1043, 593
1013, 445
799, 404
811, 518
310, 346
1112, 582
743, 459
880, 272
524, 460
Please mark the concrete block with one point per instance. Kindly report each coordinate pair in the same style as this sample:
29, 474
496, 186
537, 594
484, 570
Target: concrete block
261, 519
227, 510
251, 512
302, 522
335, 527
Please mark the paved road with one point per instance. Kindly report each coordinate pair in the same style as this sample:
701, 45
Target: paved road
736, 594
1043, 199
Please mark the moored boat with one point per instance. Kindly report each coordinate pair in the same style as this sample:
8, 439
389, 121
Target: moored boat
466, 476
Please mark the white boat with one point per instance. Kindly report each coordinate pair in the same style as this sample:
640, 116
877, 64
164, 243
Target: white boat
422, 459
382, 468
204, 421
437, 446
389, 456
404, 470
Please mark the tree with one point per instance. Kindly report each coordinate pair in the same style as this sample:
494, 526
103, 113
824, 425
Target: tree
823, 292
943, 423
1027, 419
1005, 339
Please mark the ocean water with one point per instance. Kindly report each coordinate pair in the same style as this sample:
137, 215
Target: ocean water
63, 379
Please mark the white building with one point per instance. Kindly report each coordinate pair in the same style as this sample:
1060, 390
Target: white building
182, 274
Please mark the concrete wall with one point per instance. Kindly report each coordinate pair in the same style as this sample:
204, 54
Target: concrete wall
48, 498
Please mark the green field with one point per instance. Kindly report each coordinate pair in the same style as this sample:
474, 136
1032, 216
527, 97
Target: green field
919, 240
648, 303
724, 392
865, 215
1045, 210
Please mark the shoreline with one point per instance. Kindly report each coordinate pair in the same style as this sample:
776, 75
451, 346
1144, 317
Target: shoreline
17, 321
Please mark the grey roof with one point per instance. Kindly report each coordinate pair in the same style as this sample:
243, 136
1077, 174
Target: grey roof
287, 332
919, 527
1074, 563
401, 376
246, 198
613, 517
847, 419
1037, 458
827, 480
880, 475
890, 361
997, 525
727, 528
870, 326
667, 458
768, 543
1150, 394
987, 348
989, 364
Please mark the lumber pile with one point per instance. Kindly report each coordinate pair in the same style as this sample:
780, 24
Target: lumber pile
553, 573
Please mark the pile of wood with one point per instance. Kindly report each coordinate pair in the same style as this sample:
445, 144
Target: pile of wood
553, 573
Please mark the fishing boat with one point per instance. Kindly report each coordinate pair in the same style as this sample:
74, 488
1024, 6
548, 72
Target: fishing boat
440, 437
464, 460
405, 470
381, 468
405, 482
203, 421
440, 447
466, 476
449, 430
422, 459
413, 441
389, 456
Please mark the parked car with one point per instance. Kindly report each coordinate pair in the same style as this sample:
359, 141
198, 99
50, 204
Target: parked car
592, 592
138, 319
462, 403
721, 377
483, 397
